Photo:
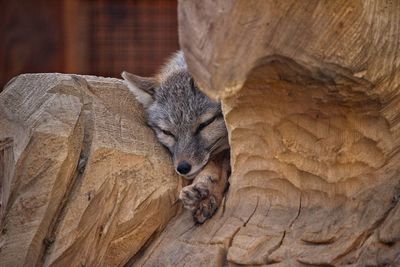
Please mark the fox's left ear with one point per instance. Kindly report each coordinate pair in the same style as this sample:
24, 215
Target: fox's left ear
142, 87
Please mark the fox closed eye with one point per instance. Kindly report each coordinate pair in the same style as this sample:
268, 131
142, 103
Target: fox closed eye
205, 124
166, 138
163, 131
167, 133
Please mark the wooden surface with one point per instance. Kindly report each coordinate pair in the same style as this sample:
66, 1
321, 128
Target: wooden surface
310, 94
84, 181
223, 41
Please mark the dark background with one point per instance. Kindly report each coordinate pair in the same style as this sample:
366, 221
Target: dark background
101, 37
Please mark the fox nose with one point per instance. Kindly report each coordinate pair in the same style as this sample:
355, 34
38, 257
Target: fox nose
184, 167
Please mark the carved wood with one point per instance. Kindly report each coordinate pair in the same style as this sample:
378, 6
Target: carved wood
310, 94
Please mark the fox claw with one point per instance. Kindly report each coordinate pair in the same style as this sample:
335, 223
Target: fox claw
206, 209
197, 198
189, 197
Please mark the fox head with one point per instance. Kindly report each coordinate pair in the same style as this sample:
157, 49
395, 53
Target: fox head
185, 120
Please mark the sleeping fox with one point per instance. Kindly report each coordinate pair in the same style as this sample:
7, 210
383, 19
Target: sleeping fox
191, 126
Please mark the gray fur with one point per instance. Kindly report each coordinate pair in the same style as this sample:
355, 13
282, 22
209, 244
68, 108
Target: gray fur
175, 111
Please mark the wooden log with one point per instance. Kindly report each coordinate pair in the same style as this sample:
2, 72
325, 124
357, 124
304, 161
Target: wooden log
84, 180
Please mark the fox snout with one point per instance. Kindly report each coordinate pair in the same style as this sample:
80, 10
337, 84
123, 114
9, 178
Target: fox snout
187, 166
183, 167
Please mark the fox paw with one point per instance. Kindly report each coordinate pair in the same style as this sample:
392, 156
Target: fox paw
192, 195
206, 209
199, 201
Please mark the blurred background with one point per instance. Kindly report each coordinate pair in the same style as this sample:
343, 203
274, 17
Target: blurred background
102, 37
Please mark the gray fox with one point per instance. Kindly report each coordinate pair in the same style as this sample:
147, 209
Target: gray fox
191, 126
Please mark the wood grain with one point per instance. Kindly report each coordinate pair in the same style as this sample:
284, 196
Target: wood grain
310, 95
88, 184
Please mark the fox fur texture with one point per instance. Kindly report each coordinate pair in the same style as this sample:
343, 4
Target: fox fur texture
191, 126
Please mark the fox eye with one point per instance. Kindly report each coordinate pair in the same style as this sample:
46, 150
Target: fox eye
205, 124
167, 133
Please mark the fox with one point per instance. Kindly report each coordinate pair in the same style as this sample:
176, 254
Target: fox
192, 128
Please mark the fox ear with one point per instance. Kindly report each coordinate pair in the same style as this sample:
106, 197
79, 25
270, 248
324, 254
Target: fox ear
142, 87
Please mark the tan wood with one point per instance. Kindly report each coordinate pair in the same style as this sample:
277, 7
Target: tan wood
310, 94
89, 185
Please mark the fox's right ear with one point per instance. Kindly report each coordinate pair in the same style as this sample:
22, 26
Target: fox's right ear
142, 87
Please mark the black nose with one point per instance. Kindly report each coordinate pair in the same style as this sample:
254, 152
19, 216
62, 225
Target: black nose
184, 167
